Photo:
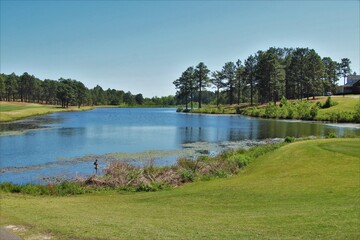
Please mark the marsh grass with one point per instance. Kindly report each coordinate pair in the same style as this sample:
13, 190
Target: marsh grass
124, 176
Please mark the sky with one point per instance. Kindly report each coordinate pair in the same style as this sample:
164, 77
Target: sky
143, 46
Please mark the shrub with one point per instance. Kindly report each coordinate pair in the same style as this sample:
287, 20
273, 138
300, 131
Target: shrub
329, 103
314, 111
289, 139
241, 160
187, 175
303, 110
271, 110
187, 164
318, 104
291, 111
68, 188
10, 187
284, 102
331, 134
356, 116
221, 173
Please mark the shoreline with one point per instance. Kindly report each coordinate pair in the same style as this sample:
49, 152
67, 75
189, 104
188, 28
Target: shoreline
343, 111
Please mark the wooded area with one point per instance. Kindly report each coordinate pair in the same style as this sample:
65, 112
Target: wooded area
65, 92
263, 77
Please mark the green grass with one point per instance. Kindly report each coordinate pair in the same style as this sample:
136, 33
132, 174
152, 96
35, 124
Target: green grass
345, 105
11, 111
343, 111
303, 190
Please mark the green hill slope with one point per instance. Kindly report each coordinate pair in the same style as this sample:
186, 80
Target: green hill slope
304, 190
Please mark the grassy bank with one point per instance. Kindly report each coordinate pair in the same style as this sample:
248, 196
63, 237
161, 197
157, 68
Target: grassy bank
11, 111
304, 190
345, 109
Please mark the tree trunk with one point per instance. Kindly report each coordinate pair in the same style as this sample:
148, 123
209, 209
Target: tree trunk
200, 96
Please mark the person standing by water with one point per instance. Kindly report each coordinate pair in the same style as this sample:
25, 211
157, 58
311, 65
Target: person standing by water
96, 166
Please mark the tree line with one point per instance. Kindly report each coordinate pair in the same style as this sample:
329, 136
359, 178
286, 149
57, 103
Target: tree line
263, 77
69, 92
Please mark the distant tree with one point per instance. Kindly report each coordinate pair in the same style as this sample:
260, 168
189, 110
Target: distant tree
49, 91
228, 72
37, 91
331, 74
202, 79
11, 87
129, 99
314, 72
217, 80
188, 76
24, 86
288, 53
65, 92
250, 71
345, 70
139, 99
81, 92
296, 74
239, 76
271, 75
186, 86
98, 95
2, 87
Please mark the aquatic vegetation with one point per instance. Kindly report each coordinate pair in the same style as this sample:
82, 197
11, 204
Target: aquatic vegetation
125, 175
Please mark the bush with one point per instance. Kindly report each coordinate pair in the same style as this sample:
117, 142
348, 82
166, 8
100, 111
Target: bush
271, 110
10, 187
341, 117
329, 103
356, 116
314, 111
187, 164
221, 173
187, 175
241, 160
284, 102
331, 134
68, 188
289, 139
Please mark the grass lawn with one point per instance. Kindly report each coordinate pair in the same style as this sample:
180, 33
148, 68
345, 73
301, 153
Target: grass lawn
11, 111
304, 190
344, 109
345, 104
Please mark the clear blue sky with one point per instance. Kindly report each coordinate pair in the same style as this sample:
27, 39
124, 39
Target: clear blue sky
143, 46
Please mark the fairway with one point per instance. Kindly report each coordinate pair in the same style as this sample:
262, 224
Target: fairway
11, 111
304, 190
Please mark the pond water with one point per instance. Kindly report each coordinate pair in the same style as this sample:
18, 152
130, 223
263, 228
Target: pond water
65, 144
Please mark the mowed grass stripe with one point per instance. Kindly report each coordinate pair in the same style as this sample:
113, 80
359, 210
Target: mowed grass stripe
300, 191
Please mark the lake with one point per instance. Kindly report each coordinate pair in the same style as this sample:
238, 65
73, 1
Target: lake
66, 144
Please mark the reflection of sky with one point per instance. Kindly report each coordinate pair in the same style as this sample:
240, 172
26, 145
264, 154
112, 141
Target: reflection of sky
101, 131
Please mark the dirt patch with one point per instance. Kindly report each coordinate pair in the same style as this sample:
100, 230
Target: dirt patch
15, 228
11, 232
